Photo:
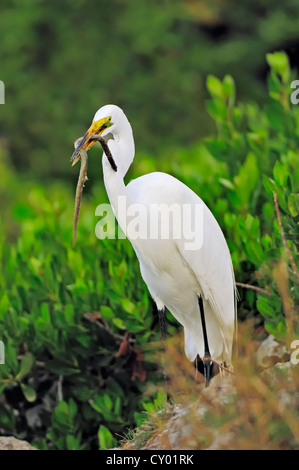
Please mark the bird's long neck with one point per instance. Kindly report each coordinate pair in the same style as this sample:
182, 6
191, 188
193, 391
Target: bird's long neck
122, 150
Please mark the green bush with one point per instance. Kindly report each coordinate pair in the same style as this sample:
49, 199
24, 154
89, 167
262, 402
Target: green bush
77, 324
260, 147
63, 317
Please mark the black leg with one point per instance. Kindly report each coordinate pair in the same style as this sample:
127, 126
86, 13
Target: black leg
162, 320
207, 356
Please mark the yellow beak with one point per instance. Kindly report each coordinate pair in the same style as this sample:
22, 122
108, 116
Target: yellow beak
96, 128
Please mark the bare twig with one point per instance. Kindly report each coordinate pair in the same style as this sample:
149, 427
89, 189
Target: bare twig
98, 320
257, 289
289, 254
223, 368
280, 275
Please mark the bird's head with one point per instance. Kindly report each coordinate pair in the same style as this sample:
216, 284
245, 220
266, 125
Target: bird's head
104, 123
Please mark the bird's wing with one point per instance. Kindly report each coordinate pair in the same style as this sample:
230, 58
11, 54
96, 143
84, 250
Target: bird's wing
211, 263
212, 266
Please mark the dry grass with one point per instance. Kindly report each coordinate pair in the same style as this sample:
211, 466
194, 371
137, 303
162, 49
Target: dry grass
252, 409
255, 407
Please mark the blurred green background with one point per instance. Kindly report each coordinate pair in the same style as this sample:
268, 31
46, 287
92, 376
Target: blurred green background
72, 377
61, 61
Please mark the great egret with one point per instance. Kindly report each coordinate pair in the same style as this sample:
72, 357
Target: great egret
196, 286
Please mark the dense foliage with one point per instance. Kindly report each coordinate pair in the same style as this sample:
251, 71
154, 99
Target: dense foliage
61, 61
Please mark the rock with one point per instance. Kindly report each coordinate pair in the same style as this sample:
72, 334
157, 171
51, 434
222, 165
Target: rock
11, 443
271, 352
221, 441
283, 372
178, 432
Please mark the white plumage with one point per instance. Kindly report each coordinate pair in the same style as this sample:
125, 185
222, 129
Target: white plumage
175, 276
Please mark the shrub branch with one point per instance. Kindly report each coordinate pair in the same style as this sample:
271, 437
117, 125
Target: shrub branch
257, 289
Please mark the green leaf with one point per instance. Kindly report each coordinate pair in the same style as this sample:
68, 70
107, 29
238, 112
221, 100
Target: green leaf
119, 323
254, 252
275, 85
29, 392
4, 304
128, 306
279, 63
226, 183
117, 406
7, 418
237, 116
246, 180
61, 413
22, 211
72, 408
265, 306
293, 204
72, 442
45, 313
269, 184
26, 366
280, 174
69, 313
106, 440
252, 227
229, 89
214, 86
107, 312
140, 418
217, 110
63, 366
108, 402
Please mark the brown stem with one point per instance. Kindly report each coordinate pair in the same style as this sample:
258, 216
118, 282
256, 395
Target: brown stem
257, 289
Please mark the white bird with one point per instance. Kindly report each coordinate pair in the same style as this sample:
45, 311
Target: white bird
196, 286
